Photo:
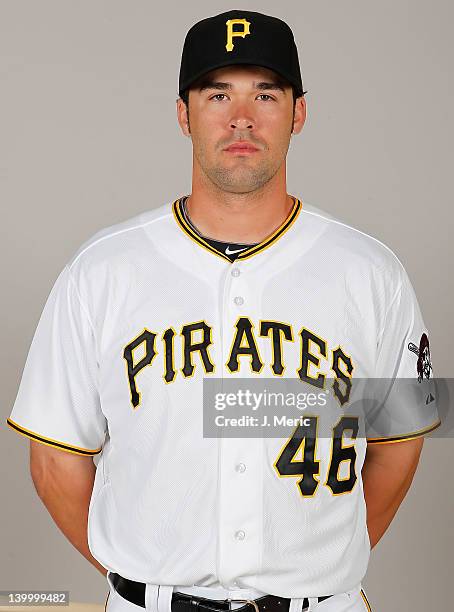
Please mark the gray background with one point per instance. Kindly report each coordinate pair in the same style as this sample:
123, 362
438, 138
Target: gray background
89, 137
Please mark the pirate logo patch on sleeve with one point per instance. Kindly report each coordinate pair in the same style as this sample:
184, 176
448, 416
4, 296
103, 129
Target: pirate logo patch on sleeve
423, 365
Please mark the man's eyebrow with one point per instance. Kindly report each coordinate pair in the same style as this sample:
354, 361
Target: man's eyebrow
214, 85
271, 85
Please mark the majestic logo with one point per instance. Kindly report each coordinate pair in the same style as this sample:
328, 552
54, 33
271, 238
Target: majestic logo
231, 32
423, 365
229, 252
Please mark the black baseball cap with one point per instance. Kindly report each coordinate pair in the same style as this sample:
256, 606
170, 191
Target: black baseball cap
240, 37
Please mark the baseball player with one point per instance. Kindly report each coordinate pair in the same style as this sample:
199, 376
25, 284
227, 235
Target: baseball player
235, 280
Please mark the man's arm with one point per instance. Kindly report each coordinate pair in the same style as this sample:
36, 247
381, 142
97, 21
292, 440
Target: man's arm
387, 473
64, 482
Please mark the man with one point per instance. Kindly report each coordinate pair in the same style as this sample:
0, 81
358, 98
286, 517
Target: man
238, 279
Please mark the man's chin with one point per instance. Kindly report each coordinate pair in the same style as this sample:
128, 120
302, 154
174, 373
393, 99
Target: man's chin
239, 177
239, 187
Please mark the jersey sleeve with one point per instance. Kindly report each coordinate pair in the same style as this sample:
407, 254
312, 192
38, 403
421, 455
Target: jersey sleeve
405, 405
58, 402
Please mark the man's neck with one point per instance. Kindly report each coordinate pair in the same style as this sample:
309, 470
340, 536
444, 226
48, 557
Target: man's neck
230, 249
241, 220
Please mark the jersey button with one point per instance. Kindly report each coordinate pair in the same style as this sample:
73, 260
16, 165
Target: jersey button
240, 467
235, 272
240, 535
238, 300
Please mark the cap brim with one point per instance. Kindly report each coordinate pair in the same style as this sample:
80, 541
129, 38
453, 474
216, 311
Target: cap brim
233, 62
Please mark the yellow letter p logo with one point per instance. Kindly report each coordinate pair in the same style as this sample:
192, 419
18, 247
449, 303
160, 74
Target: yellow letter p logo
230, 33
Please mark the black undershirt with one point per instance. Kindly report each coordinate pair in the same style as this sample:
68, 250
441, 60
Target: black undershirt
226, 248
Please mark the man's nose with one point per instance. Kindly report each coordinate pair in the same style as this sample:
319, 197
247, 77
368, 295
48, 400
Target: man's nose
241, 123
242, 118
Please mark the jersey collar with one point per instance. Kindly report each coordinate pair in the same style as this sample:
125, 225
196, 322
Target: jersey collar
249, 252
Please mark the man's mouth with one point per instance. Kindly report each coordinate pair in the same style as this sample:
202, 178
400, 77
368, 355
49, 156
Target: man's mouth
241, 147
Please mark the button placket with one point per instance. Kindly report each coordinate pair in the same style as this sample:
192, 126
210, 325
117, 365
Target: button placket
240, 514
240, 509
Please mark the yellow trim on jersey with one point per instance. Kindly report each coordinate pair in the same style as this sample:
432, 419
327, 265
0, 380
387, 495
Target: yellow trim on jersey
410, 436
107, 599
366, 601
176, 207
297, 205
49, 442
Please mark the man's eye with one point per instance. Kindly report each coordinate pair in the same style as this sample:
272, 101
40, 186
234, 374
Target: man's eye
217, 96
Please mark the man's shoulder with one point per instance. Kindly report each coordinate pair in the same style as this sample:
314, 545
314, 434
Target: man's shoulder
112, 241
349, 244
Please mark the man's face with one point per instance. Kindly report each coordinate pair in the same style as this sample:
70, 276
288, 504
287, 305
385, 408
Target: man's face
241, 105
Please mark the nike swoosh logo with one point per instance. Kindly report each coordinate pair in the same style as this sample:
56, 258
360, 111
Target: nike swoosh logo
229, 252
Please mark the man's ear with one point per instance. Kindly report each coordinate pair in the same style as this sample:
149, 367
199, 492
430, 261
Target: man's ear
299, 115
183, 117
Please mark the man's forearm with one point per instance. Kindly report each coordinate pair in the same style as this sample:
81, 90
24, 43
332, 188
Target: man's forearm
385, 484
66, 496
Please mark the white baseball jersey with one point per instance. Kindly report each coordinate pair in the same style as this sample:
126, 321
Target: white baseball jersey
142, 314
